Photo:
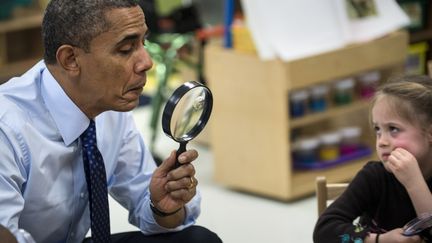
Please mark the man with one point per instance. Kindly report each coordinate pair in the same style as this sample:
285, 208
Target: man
53, 178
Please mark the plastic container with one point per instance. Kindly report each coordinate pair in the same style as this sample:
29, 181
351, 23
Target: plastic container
305, 150
318, 98
416, 61
368, 82
344, 91
329, 149
298, 103
350, 139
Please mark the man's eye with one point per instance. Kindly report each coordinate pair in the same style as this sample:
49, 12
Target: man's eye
126, 49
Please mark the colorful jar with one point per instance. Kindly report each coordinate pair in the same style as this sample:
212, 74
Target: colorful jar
368, 83
298, 103
318, 98
344, 91
329, 149
350, 139
305, 150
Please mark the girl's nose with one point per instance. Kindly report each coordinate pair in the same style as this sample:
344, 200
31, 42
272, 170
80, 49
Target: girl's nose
382, 140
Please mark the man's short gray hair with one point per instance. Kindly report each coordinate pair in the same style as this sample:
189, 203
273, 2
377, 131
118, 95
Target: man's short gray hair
76, 23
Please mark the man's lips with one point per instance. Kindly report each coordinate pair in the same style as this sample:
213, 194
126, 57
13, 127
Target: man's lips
137, 87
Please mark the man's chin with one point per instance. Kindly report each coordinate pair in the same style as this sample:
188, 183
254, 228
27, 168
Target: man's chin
127, 106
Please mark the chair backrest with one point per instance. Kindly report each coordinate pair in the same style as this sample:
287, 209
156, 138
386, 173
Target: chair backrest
327, 192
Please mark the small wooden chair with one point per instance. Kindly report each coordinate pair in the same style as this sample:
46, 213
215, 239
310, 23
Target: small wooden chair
327, 192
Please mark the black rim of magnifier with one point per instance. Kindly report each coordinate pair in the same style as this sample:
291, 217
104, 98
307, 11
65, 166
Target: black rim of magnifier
172, 103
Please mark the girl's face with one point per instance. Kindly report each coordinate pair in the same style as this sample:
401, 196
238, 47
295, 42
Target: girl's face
394, 132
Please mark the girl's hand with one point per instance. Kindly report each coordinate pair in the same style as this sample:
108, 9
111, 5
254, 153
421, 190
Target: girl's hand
405, 167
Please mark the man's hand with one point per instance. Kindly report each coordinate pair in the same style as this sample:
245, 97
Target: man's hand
171, 189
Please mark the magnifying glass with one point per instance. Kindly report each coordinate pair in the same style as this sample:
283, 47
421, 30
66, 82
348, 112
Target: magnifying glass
418, 224
186, 113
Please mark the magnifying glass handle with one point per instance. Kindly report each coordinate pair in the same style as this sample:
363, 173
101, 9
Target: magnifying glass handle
181, 149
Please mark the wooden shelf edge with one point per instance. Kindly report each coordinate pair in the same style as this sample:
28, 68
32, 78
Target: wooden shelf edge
311, 118
303, 181
28, 20
16, 68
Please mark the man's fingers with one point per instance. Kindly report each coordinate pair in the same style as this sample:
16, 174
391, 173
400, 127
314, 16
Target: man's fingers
168, 163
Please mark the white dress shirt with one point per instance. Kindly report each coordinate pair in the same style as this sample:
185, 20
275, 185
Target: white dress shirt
43, 191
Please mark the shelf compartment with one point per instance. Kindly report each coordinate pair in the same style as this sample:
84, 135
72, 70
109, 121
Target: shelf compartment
250, 124
362, 153
22, 20
20, 42
334, 111
303, 181
16, 68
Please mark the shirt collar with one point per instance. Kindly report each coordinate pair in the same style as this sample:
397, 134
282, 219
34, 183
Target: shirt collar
70, 120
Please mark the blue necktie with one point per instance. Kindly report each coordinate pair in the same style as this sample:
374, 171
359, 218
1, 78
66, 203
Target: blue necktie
97, 186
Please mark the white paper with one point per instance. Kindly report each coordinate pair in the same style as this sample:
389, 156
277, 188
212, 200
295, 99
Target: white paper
293, 29
389, 17
257, 23
304, 28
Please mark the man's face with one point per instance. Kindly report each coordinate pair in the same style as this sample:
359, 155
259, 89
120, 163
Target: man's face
113, 73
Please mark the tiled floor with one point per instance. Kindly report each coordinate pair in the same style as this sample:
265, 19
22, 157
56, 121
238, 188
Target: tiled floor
236, 217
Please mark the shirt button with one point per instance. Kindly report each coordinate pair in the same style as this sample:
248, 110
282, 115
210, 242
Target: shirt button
82, 195
72, 234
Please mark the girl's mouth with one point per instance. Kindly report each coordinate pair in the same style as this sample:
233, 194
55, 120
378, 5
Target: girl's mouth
385, 156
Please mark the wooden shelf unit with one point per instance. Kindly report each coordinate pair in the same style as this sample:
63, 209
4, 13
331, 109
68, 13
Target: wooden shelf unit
251, 127
20, 43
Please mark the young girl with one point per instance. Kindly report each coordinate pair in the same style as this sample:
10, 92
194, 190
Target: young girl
388, 194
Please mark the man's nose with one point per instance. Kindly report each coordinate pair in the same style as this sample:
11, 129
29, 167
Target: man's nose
144, 62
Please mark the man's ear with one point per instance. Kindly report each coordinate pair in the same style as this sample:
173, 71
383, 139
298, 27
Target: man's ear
67, 58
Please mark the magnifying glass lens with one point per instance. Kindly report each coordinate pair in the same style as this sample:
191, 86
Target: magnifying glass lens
187, 114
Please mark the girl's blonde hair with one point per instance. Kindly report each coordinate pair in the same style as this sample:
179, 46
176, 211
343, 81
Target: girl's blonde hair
410, 97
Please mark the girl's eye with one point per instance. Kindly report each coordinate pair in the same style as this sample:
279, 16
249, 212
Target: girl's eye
394, 129
376, 130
